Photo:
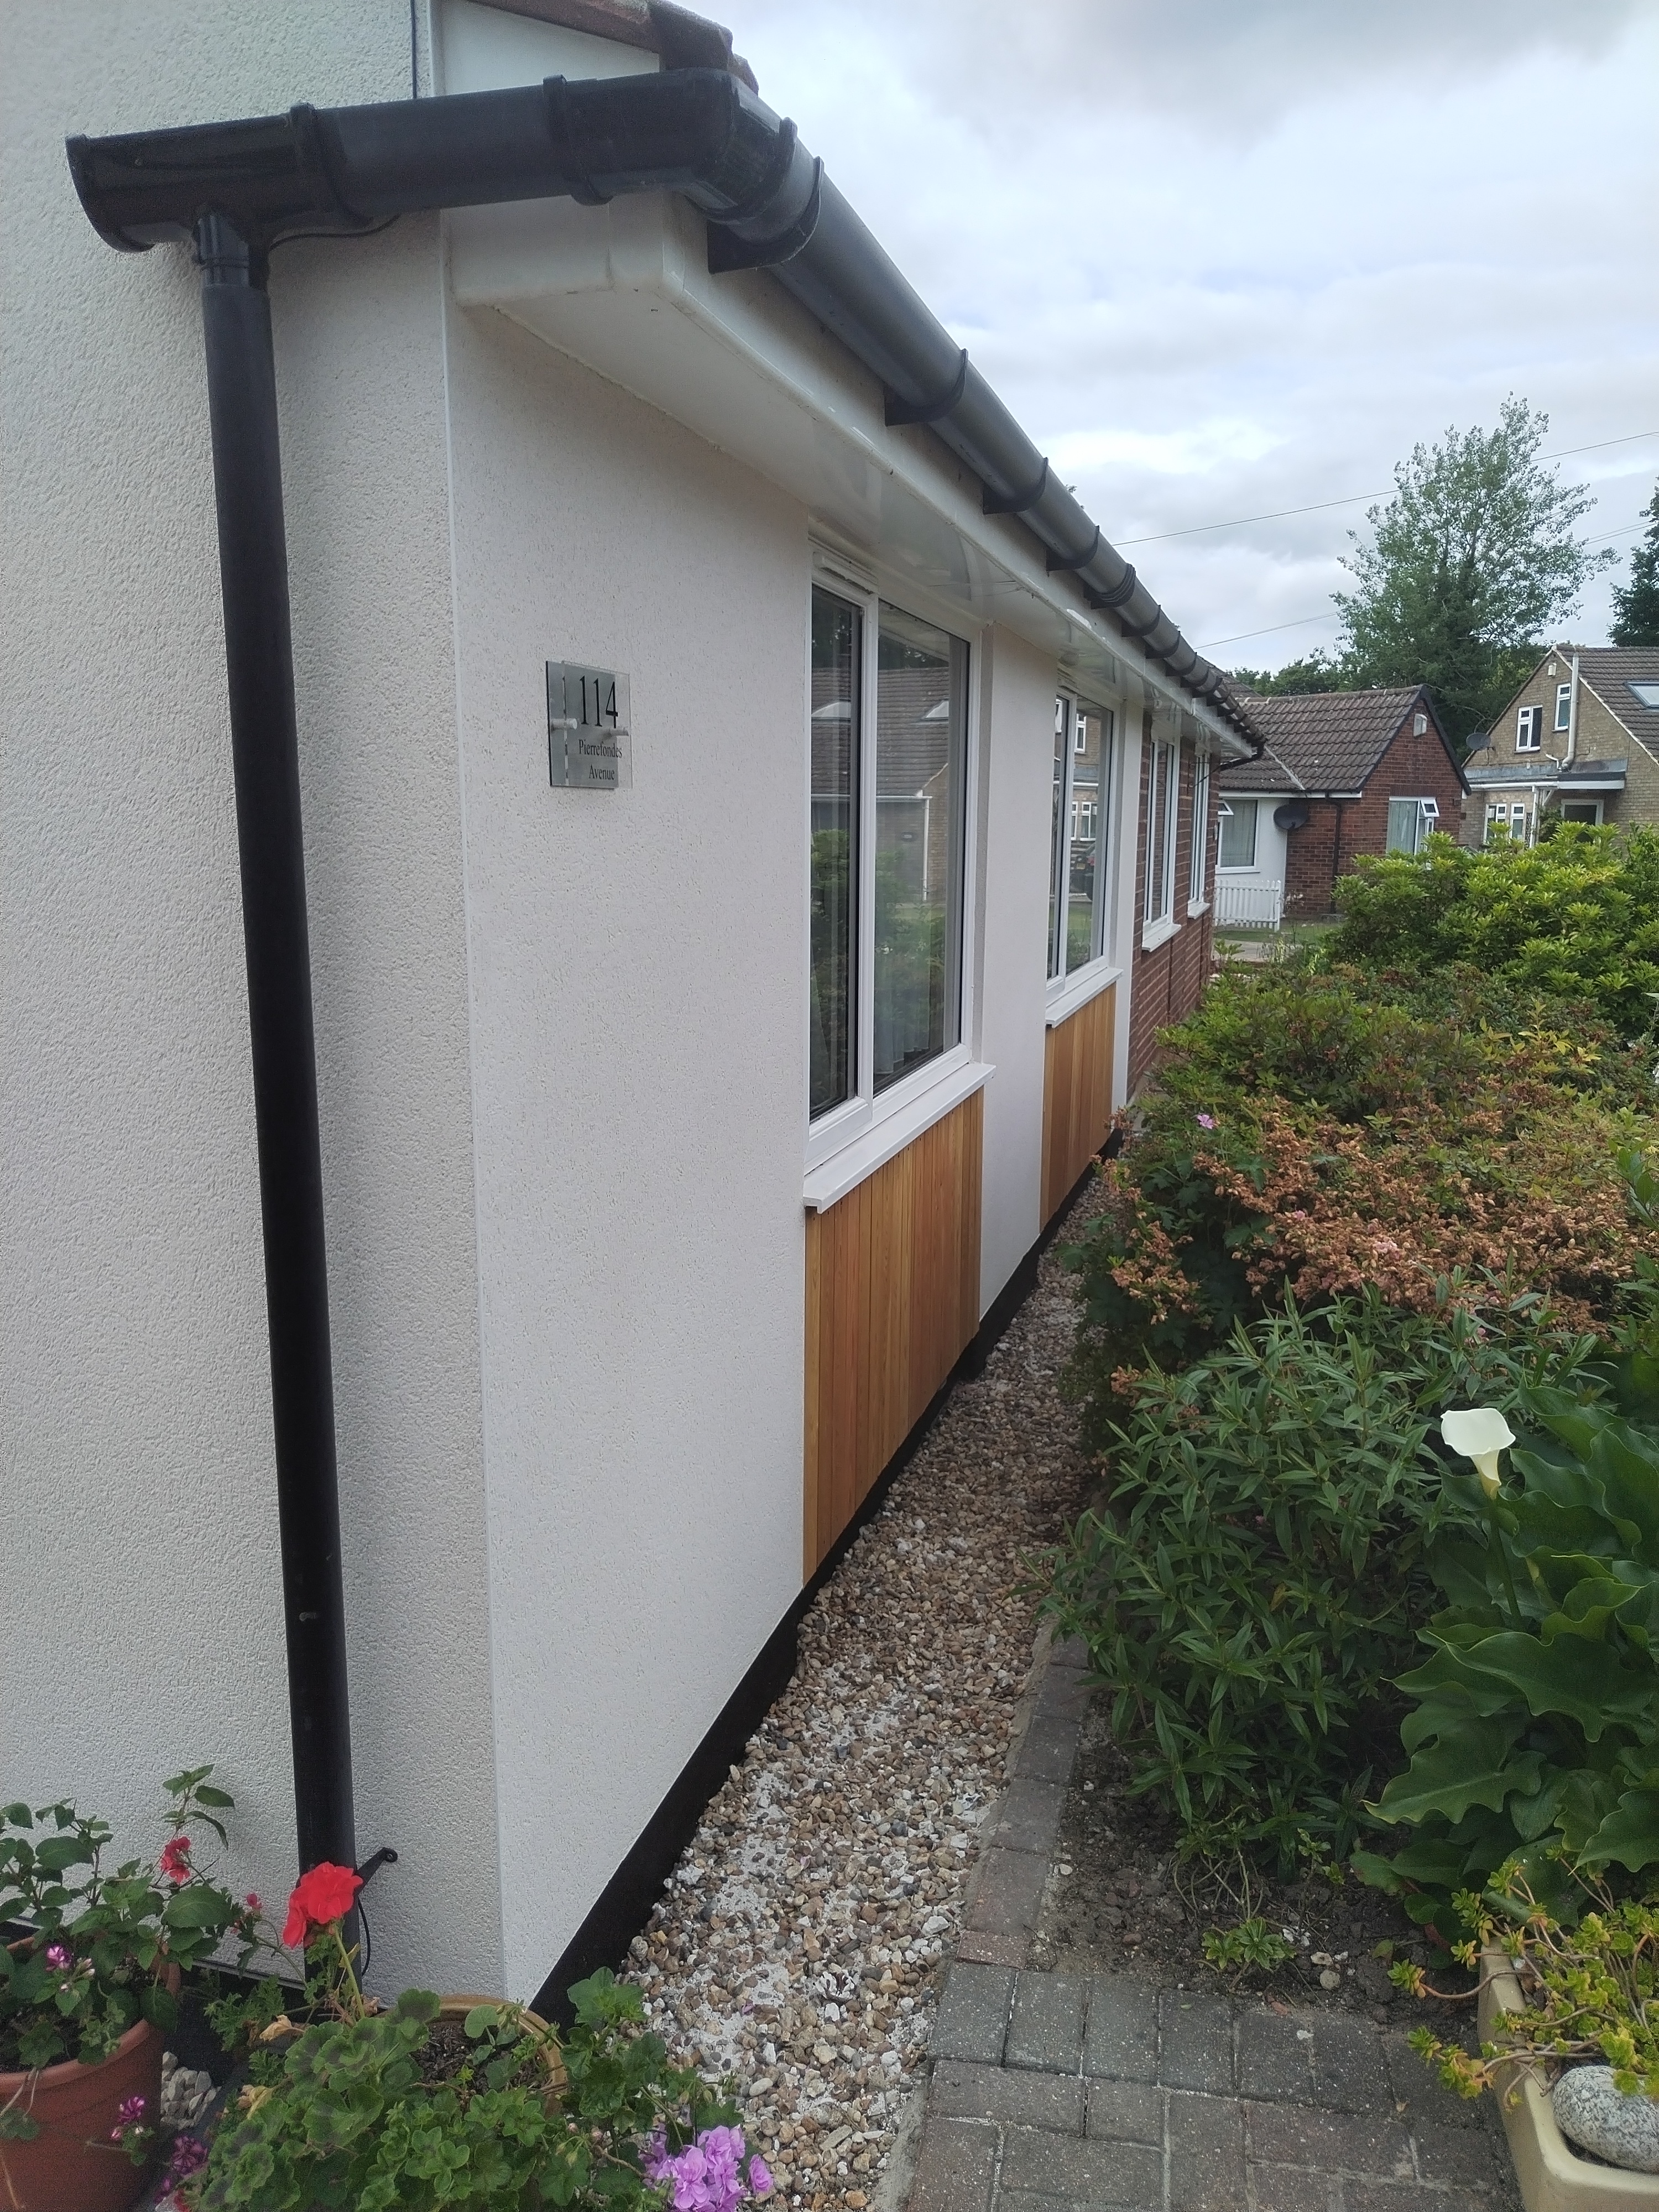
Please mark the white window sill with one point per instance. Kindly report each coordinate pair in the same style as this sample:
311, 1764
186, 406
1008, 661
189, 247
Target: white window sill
1159, 933
855, 1162
1075, 991
1196, 907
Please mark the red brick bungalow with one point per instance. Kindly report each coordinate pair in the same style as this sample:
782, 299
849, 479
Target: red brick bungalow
1340, 773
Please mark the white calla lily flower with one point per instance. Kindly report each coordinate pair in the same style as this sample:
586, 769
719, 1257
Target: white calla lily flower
1480, 1432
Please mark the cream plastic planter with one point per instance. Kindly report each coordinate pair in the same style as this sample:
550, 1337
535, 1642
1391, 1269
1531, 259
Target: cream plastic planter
1552, 2175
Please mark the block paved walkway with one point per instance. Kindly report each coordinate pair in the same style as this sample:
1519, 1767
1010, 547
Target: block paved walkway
1049, 2094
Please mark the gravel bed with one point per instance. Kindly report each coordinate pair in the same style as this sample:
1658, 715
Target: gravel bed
796, 1945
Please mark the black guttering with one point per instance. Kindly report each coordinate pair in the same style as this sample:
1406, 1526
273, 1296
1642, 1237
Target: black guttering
698, 131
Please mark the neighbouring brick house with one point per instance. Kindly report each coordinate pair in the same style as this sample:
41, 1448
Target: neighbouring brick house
1579, 739
1341, 774
1170, 963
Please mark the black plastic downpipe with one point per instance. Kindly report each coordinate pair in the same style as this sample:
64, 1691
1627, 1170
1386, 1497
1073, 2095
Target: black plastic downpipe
248, 483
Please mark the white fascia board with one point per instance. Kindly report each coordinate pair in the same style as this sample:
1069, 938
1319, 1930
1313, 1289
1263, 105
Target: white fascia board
625, 289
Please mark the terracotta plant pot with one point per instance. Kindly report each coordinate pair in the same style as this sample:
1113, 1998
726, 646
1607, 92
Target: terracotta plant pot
72, 2166
557, 2080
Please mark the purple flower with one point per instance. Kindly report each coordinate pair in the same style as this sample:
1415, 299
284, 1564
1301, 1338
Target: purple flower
189, 2153
1206, 1121
707, 2176
132, 2111
760, 2176
59, 1955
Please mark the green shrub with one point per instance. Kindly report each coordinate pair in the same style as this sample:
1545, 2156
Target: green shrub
1534, 1736
1321, 1132
1577, 915
1252, 1586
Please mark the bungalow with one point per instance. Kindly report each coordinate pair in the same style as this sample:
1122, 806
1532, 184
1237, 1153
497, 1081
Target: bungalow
693, 820
1579, 741
1340, 774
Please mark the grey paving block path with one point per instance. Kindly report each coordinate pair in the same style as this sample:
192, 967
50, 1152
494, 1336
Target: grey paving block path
1051, 2092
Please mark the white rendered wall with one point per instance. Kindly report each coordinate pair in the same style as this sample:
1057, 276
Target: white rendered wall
637, 963
140, 1616
1017, 758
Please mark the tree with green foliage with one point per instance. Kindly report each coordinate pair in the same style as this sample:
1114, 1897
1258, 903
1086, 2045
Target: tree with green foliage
1471, 562
1635, 604
1314, 671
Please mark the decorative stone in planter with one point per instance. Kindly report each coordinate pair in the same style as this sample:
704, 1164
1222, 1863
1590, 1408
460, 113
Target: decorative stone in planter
72, 2166
1593, 2112
1553, 2177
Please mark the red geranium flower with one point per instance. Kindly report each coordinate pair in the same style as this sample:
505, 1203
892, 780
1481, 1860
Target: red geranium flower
323, 1894
175, 1859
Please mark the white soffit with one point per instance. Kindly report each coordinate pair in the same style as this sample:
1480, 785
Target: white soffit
625, 289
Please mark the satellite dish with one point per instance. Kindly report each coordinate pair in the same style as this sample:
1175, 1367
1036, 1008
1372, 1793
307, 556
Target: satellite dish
1293, 815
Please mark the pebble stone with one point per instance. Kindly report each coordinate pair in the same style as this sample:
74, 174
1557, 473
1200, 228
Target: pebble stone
1623, 2130
798, 1944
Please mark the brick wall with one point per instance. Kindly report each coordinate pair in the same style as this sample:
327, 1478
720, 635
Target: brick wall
1166, 983
1339, 831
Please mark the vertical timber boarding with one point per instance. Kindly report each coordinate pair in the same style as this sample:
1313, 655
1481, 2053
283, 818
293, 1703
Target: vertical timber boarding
892, 1299
1077, 1096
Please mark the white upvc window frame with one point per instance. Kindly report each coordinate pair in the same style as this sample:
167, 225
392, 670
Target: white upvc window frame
1529, 730
1198, 851
1071, 987
1564, 706
1427, 820
1158, 921
1227, 810
871, 1126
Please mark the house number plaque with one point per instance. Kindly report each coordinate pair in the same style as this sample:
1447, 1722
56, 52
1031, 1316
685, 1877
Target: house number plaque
589, 745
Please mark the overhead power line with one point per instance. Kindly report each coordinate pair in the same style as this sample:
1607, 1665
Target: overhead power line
1302, 620
1356, 499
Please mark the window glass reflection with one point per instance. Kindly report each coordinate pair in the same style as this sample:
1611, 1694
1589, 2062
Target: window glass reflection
921, 726
835, 662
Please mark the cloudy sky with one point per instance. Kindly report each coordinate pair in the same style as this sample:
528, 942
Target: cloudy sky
1224, 258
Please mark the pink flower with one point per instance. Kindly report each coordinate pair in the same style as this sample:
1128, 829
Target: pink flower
760, 2176
252, 1901
58, 1955
132, 2110
1206, 1121
175, 1859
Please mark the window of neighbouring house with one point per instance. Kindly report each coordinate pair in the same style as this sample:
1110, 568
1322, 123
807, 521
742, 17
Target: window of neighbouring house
1419, 725
1198, 847
1410, 821
888, 797
1580, 809
1238, 847
1564, 706
1529, 730
1163, 780
1084, 756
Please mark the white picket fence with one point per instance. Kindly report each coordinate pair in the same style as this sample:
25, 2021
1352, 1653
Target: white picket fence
1248, 906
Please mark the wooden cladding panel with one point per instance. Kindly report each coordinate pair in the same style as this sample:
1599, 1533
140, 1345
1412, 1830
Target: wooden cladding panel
892, 1297
1077, 1095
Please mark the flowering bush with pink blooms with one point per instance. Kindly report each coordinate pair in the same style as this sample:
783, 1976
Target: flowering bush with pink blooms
95, 1957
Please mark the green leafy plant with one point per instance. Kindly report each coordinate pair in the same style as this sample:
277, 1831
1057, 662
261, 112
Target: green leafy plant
1534, 1738
1252, 1945
1577, 916
1252, 1586
93, 1960
1592, 1986
355, 2106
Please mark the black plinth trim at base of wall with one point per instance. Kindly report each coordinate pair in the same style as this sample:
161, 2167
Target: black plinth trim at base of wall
624, 1905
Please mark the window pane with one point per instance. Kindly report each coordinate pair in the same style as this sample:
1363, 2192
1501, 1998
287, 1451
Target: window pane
835, 661
1403, 817
1160, 830
1239, 835
1199, 830
1085, 832
921, 728
1056, 843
